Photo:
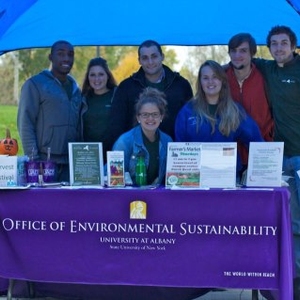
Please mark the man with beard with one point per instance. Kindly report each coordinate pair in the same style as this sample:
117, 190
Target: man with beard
282, 75
49, 110
246, 84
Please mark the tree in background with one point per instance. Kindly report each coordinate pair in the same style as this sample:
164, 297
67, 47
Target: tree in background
7, 80
32, 61
114, 55
263, 52
122, 60
198, 55
126, 67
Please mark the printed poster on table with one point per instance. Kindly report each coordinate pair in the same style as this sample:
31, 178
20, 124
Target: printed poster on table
201, 165
86, 164
265, 164
218, 165
183, 165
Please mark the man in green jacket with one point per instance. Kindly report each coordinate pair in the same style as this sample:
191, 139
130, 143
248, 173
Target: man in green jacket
282, 77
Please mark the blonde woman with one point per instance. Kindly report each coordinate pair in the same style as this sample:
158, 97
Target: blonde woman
212, 116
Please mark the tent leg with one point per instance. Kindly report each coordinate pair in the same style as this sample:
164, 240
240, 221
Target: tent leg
10, 289
254, 294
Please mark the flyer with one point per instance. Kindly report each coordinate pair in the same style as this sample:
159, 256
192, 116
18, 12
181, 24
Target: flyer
201, 165
265, 164
218, 165
183, 165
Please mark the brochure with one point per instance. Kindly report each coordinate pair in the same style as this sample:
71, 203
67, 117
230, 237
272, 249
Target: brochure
115, 169
265, 164
86, 164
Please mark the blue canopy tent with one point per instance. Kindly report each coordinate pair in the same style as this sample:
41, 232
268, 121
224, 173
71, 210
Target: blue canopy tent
39, 23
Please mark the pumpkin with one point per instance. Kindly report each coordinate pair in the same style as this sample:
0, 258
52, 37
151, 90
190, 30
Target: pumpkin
8, 145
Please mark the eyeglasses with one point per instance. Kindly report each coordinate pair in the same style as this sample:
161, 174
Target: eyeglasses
154, 115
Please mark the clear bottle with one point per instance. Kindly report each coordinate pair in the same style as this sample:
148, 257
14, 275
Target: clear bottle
140, 170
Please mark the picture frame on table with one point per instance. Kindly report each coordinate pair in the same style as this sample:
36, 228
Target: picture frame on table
86, 163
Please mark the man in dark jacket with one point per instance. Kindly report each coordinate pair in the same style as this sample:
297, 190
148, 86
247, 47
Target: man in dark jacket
151, 73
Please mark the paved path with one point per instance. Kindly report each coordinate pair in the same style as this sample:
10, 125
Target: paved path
215, 295
229, 295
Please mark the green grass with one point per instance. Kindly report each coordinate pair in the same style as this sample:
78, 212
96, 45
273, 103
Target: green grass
8, 119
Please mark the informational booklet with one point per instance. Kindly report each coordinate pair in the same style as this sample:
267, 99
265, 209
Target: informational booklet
86, 164
8, 170
218, 165
115, 169
265, 164
201, 165
183, 165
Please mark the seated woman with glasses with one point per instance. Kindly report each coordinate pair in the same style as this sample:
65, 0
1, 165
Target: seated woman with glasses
146, 139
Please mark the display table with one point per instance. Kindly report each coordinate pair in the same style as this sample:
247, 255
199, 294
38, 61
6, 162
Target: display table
170, 238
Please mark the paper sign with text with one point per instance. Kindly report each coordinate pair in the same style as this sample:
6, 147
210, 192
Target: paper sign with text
201, 165
265, 164
183, 165
8, 170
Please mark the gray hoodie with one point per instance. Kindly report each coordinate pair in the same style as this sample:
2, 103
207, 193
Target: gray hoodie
47, 117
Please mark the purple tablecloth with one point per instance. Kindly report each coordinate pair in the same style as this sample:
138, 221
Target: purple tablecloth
207, 238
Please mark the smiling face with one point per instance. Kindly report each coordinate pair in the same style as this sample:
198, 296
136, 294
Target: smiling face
151, 61
149, 117
240, 56
98, 79
62, 58
210, 84
281, 48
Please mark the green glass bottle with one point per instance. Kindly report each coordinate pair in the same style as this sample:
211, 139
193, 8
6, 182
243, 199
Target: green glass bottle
140, 170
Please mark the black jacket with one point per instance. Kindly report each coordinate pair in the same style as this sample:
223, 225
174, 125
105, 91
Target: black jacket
177, 90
